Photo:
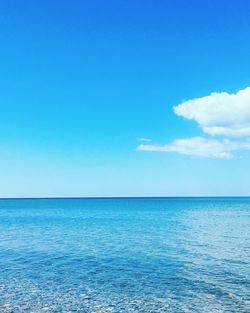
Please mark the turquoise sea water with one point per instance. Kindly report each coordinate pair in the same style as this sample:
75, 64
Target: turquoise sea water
125, 255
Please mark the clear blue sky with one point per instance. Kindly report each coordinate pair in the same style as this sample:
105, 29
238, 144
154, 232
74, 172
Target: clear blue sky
81, 81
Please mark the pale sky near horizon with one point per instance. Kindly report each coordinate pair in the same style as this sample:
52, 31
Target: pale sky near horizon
124, 98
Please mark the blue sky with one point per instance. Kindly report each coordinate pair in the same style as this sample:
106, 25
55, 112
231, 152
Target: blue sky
82, 81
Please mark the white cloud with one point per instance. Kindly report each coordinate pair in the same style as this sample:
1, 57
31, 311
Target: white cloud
144, 139
200, 147
220, 113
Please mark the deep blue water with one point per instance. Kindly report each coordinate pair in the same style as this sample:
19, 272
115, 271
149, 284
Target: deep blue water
125, 255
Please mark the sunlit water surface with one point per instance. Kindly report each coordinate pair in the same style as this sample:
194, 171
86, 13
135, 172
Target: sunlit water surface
125, 255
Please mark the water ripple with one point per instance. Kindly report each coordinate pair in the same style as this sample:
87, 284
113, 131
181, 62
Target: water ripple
126, 255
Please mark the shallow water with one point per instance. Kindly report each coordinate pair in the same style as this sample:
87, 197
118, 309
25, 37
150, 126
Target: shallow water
125, 255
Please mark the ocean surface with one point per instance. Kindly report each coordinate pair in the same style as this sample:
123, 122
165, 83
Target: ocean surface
125, 255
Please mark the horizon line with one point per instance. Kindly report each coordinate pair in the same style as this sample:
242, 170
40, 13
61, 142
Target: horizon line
122, 197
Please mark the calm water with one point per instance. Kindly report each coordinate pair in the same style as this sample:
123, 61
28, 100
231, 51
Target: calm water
125, 255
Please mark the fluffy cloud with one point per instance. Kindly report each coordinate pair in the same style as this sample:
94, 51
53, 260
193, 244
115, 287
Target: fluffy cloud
200, 147
220, 113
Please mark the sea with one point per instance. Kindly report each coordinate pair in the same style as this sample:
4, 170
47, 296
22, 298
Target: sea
125, 255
